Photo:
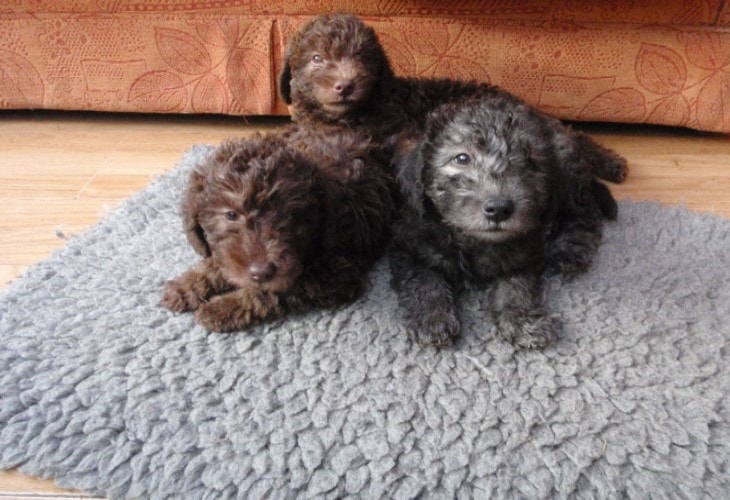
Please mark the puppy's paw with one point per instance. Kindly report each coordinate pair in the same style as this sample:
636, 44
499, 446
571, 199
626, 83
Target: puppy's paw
567, 264
531, 331
222, 314
237, 310
616, 169
179, 297
570, 257
436, 329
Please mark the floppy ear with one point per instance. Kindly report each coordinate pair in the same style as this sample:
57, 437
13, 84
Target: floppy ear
192, 201
285, 74
409, 170
386, 70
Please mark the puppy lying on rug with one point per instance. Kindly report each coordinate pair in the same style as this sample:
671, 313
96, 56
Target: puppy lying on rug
287, 221
335, 71
495, 194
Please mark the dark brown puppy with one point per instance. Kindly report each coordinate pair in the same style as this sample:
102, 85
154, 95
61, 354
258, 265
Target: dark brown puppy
336, 72
287, 221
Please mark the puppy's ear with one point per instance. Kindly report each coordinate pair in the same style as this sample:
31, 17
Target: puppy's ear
385, 71
192, 201
409, 170
285, 74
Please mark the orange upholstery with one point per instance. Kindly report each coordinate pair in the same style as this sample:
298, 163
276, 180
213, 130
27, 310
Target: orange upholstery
620, 60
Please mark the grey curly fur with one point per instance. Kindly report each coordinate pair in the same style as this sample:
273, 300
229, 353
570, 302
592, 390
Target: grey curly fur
104, 390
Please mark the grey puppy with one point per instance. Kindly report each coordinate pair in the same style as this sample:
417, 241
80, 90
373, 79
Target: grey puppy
495, 194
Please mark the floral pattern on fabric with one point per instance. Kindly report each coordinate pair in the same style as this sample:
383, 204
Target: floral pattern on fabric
620, 60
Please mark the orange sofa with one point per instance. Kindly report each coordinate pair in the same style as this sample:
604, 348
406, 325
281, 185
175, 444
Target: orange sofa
619, 60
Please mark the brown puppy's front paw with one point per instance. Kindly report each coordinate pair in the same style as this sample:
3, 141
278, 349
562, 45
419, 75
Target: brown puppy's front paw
237, 310
178, 297
221, 314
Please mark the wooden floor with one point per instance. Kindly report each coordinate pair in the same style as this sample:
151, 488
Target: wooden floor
61, 172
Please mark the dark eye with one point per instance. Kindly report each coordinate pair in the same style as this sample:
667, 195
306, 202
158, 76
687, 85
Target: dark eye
462, 159
231, 215
316, 58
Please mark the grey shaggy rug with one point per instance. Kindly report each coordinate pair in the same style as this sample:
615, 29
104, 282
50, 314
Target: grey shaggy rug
104, 390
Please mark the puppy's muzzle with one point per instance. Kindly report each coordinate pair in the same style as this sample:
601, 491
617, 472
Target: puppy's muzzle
261, 272
347, 72
498, 210
344, 87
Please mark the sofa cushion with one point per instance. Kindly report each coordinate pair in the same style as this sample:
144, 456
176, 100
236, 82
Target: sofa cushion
622, 61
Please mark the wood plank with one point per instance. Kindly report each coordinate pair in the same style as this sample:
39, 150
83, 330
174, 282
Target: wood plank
15, 485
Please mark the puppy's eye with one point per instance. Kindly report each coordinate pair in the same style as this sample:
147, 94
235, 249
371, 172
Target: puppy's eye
317, 59
231, 215
462, 159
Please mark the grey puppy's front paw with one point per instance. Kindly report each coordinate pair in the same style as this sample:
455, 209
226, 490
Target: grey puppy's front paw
435, 328
530, 331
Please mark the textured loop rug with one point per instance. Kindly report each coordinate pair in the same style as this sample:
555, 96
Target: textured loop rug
104, 390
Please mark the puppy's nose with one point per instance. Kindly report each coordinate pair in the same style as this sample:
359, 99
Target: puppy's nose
344, 87
498, 210
261, 271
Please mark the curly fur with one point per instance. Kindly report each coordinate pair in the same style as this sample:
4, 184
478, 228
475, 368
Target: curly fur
335, 71
286, 221
495, 194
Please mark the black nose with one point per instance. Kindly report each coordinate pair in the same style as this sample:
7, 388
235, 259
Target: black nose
260, 272
344, 87
498, 210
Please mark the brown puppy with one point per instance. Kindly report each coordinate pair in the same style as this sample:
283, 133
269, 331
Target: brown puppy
336, 72
287, 221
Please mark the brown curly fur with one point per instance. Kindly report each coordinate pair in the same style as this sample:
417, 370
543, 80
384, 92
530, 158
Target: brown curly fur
287, 221
335, 71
